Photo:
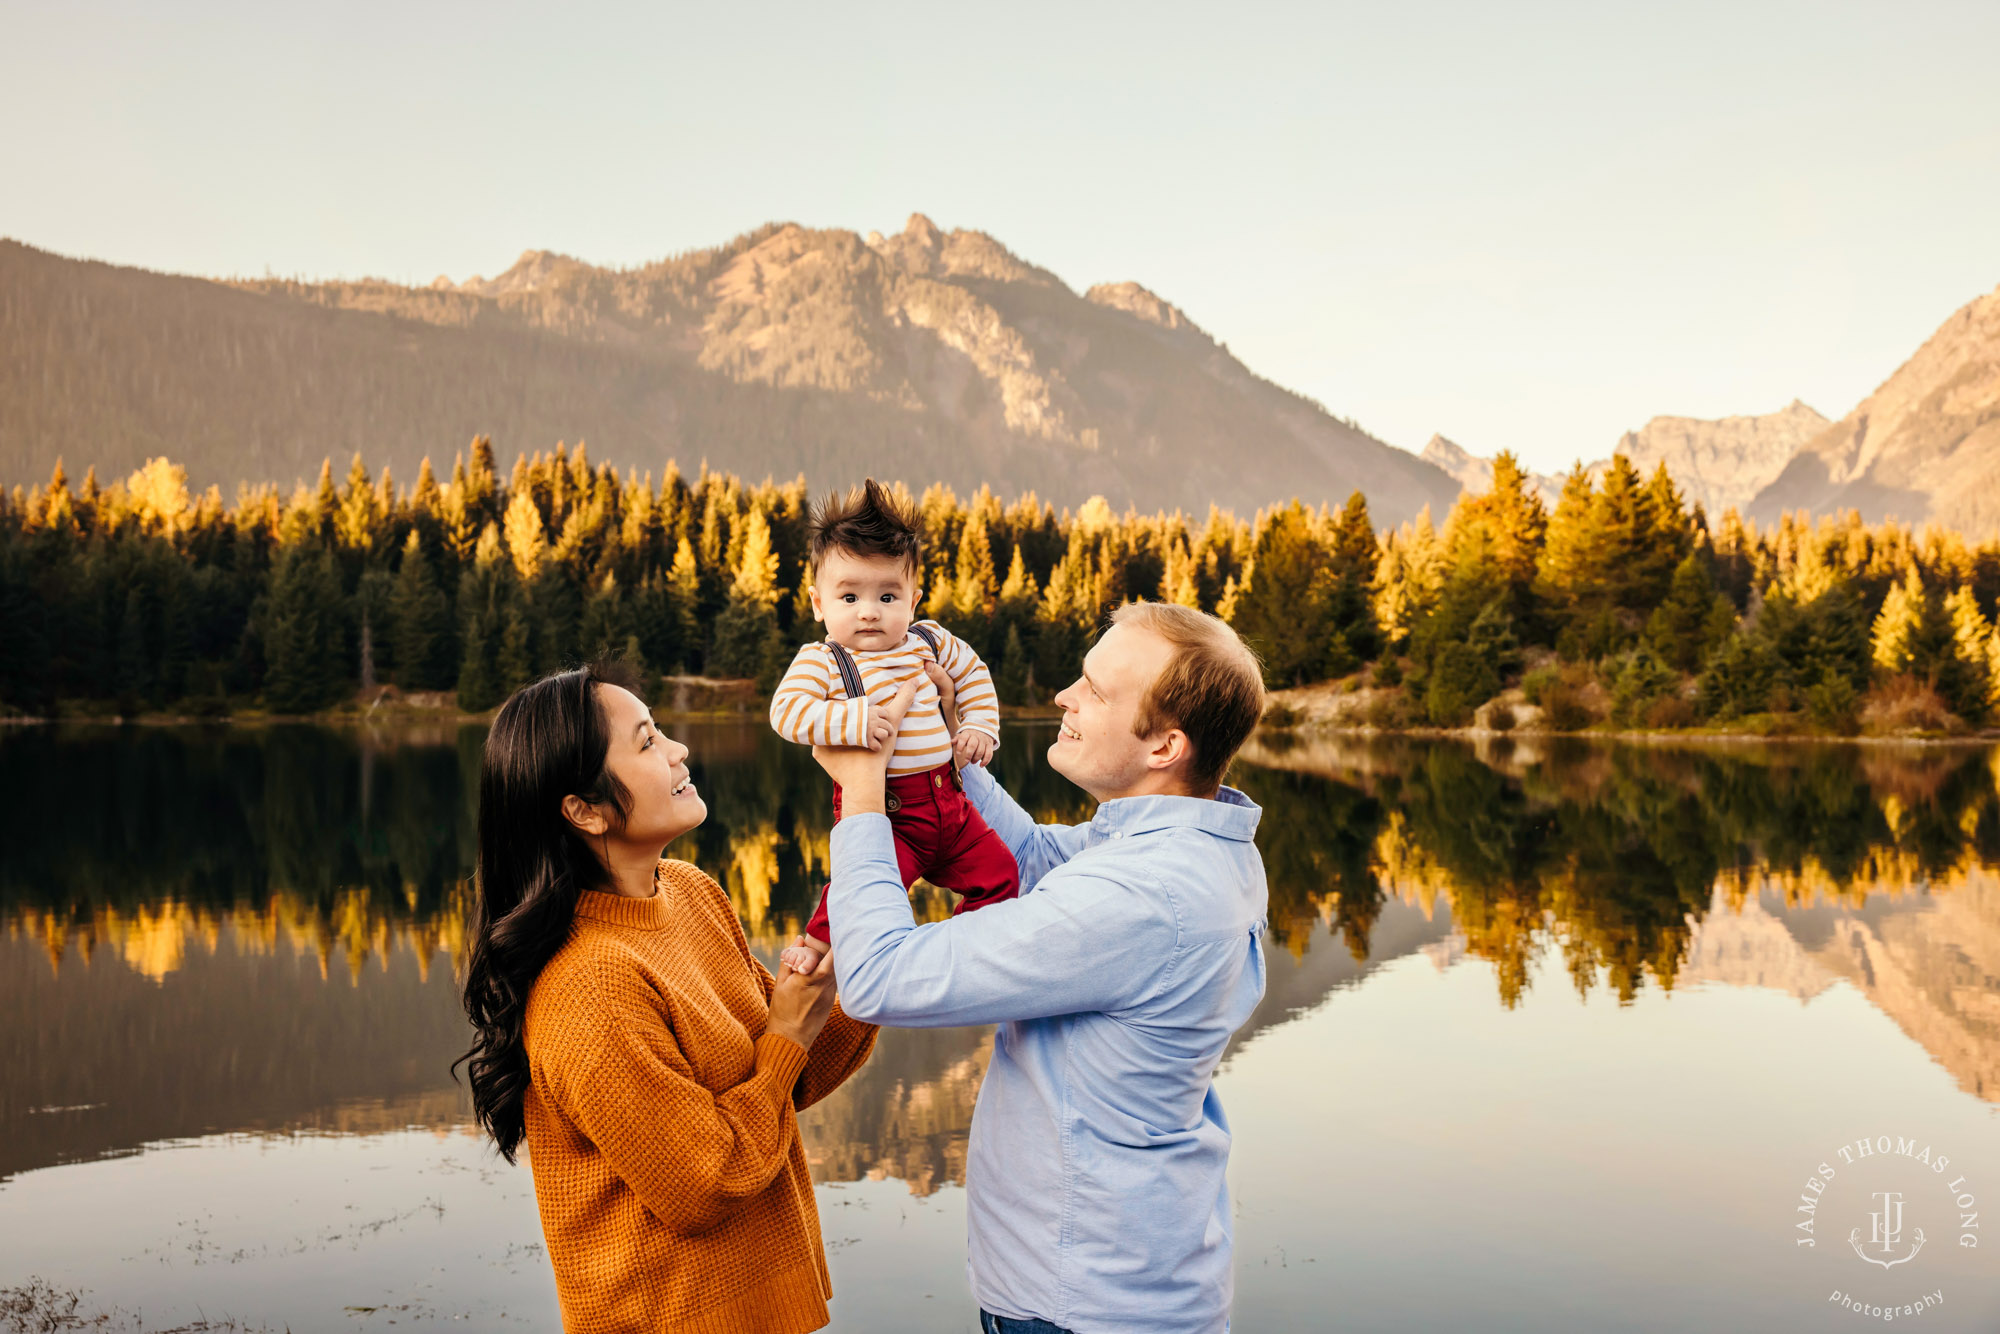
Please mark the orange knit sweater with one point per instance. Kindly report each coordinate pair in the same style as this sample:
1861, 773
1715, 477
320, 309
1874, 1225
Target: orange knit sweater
662, 1122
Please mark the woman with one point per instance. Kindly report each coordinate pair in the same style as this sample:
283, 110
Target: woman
653, 1067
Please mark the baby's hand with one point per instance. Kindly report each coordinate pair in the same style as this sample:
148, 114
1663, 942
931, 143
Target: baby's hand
803, 955
881, 731
971, 747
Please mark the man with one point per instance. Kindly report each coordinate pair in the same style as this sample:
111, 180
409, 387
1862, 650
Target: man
1096, 1188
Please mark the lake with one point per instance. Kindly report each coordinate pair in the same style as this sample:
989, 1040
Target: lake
1558, 1036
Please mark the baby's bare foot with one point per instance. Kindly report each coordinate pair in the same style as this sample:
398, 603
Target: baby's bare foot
803, 958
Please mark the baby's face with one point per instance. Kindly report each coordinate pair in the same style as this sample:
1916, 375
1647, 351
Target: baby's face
867, 602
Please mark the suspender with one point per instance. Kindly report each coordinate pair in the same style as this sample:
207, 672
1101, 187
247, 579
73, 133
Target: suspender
850, 671
850, 675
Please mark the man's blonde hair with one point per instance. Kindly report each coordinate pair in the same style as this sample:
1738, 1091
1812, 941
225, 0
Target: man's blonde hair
1212, 689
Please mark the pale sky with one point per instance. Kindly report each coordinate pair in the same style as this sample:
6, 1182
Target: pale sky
1527, 226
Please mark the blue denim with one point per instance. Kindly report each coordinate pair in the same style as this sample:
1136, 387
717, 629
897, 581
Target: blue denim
1096, 1178
1000, 1324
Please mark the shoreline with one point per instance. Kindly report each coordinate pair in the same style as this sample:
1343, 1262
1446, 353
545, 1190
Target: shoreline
404, 715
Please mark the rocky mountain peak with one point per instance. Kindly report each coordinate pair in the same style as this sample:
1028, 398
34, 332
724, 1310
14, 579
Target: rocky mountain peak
1723, 462
1136, 300
534, 270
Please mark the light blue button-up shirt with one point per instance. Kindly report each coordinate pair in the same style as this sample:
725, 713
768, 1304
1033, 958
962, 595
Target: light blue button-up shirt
1096, 1190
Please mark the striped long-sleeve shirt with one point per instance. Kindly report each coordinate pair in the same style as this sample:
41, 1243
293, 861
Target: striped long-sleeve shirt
811, 705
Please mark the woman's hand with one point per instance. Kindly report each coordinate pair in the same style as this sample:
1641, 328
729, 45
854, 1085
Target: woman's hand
863, 773
800, 1002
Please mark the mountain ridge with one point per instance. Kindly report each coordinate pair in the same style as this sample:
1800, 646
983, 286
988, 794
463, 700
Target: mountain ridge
1924, 446
926, 354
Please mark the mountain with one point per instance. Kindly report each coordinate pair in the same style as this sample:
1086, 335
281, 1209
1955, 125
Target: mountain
925, 355
1716, 463
1726, 461
1923, 446
1475, 474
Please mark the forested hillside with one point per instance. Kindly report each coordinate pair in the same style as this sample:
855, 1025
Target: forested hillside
930, 355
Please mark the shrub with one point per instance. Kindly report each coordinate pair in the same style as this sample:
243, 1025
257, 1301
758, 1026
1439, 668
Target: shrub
1460, 680
1834, 704
1642, 679
1537, 682
1563, 708
1280, 714
1670, 711
1500, 718
1907, 704
1389, 672
1389, 711
1738, 679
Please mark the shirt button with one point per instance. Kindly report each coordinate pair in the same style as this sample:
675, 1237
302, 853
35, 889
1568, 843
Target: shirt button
1117, 833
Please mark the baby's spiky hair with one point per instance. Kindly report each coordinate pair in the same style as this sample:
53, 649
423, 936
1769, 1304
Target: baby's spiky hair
868, 521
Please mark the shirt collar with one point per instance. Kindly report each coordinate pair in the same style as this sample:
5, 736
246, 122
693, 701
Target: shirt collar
1229, 814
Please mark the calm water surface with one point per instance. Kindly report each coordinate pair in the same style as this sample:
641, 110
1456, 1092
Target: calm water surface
1556, 1037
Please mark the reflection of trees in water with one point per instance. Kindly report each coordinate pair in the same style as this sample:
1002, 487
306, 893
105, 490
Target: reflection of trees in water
101, 1060
1609, 853
149, 840
907, 1114
225, 871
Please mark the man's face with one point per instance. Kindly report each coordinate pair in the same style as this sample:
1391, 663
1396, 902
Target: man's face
1095, 748
867, 602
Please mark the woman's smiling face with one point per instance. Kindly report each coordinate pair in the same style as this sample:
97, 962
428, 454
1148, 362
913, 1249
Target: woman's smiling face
663, 803
867, 602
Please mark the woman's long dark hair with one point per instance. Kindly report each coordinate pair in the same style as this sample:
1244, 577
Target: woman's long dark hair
549, 741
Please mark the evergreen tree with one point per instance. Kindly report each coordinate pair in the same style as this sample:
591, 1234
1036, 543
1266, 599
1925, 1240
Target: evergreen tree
1565, 576
134, 666
1682, 630
527, 536
1973, 694
1408, 579
25, 679
1010, 680
303, 645
747, 638
1177, 575
420, 619
1281, 606
1893, 641
974, 589
1514, 524
483, 601
684, 586
606, 625
1346, 587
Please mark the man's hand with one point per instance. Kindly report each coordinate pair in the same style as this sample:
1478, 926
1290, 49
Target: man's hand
862, 773
947, 693
972, 747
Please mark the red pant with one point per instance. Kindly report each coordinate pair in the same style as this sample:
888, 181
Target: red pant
943, 838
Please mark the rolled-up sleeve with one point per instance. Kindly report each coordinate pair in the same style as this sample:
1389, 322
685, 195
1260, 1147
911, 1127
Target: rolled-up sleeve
1079, 944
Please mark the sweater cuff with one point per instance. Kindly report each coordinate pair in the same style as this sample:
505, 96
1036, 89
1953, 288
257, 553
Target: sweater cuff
780, 1060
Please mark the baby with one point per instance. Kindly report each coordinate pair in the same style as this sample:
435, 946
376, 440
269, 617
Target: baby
865, 558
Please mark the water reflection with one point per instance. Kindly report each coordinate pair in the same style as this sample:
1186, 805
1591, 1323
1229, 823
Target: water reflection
255, 929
